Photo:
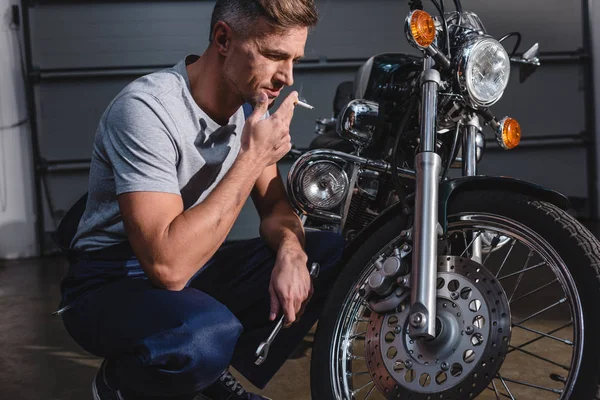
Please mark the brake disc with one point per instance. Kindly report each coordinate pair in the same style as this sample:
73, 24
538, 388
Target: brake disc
472, 336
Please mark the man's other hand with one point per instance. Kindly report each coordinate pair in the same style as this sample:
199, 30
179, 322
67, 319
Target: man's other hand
291, 286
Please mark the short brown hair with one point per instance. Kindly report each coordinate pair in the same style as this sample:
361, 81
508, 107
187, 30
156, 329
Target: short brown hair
240, 15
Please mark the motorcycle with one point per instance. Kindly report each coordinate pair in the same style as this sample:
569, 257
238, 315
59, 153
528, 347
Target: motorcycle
476, 286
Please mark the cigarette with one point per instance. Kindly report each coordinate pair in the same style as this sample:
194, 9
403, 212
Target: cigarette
303, 104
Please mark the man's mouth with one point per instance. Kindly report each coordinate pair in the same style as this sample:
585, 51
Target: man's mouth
272, 93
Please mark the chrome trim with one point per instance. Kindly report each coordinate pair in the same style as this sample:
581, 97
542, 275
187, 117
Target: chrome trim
345, 206
424, 259
530, 57
470, 150
499, 130
462, 57
358, 121
469, 168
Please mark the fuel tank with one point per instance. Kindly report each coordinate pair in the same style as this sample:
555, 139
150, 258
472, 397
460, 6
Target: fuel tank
386, 75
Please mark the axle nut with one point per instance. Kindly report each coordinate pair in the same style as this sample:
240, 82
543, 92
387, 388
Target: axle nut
418, 320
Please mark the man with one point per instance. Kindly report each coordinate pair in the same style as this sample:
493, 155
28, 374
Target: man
151, 287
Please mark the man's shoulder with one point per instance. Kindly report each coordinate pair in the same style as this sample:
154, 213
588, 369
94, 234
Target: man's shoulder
155, 85
149, 93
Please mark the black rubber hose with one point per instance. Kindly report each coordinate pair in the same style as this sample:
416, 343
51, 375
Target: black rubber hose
415, 5
440, 9
518, 35
458, 6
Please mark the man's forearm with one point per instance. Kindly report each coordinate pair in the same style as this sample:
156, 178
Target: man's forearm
195, 235
283, 230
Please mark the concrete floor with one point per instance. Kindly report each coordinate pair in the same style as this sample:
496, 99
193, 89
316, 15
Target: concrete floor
38, 359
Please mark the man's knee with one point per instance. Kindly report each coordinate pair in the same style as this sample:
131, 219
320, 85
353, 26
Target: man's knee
198, 349
212, 337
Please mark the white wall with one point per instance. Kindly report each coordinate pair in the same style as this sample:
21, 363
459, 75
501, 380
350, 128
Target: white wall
17, 195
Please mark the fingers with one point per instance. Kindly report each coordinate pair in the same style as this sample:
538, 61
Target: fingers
305, 303
290, 314
286, 109
274, 304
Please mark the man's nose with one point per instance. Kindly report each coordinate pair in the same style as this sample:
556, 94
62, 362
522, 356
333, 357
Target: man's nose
286, 73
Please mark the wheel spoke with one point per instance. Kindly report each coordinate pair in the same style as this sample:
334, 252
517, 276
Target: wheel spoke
470, 244
557, 391
561, 301
529, 255
510, 395
354, 392
516, 286
514, 241
540, 358
357, 335
370, 392
495, 389
357, 373
523, 270
534, 291
543, 335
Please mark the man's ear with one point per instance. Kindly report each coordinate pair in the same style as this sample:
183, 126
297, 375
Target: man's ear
222, 34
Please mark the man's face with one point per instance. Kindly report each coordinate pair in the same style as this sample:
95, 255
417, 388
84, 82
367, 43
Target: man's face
263, 63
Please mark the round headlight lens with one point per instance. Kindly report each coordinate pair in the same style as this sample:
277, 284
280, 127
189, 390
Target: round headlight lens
324, 184
487, 72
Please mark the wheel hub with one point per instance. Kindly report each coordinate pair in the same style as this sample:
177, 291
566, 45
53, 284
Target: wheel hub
472, 336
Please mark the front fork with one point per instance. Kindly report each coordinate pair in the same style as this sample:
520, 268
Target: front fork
425, 236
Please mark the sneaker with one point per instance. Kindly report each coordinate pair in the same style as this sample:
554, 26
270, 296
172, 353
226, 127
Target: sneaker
100, 388
227, 388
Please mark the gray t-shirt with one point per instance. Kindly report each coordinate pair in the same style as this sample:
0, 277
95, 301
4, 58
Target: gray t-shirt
153, 137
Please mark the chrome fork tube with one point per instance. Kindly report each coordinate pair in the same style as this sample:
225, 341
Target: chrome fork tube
428, 165
469, 154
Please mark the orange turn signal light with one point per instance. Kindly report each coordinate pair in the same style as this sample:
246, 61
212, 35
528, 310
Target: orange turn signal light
422, 28
509, 133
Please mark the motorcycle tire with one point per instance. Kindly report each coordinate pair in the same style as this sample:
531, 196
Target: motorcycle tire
575, 245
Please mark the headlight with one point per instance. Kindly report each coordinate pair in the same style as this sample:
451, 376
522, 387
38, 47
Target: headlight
323, 184
484, 70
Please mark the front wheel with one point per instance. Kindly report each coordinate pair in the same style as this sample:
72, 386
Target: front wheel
519, 323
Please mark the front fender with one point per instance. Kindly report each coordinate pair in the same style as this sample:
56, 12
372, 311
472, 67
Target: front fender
449, 188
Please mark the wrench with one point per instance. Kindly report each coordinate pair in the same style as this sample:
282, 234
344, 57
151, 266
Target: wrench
263, 349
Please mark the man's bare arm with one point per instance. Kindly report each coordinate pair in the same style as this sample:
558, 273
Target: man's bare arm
172, 244
279, 226
290, 287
